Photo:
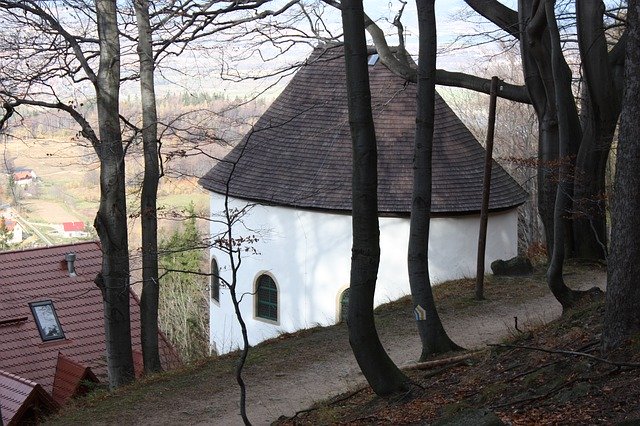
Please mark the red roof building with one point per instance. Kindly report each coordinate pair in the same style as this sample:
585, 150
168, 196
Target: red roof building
73, 226
23, 401
52, 322
23, 176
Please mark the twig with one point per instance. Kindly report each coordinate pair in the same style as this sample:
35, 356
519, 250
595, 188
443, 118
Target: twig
572, 353
343, 398
533, 370
439, 362
534, 398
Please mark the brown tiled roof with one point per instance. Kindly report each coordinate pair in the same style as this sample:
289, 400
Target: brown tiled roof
299, 152
70, 379
17, 398
41, 274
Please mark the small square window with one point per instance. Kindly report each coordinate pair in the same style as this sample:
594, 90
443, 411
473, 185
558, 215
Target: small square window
47, 320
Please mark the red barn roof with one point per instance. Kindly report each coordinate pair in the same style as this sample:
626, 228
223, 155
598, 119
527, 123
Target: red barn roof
73, 226
41, 275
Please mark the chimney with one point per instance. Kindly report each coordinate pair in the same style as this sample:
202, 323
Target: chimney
71, 258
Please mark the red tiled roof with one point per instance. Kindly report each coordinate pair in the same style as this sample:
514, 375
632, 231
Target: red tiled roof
41, 274
70, 379
73, 226
18, 396
22, 175
8, 223
298, 154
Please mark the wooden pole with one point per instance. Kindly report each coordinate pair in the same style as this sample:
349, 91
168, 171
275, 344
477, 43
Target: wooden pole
486, 189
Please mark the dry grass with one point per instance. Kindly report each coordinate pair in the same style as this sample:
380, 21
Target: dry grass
211, 379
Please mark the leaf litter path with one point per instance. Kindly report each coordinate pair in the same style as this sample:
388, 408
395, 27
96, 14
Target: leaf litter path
314, 366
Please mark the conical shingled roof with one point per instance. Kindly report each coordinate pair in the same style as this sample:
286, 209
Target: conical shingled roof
298, 154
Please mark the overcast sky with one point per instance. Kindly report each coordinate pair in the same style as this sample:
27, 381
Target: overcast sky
450, 20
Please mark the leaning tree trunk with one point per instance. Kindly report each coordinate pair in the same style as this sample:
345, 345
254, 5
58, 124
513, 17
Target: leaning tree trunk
380, 371
622, 316
432, 334
111, 219
148, 211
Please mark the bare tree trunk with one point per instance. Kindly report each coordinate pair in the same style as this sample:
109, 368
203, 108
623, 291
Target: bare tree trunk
622, 316
604, 109
486, 191
432, 334
539, 83
111, 219
380, 371
148, 211
564, 99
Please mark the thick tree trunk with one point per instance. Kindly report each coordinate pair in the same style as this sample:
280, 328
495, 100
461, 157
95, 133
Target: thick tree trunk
565, 109
111, 219
603, 106
432, 334
148, 210
539, 83
622, 316
380, 371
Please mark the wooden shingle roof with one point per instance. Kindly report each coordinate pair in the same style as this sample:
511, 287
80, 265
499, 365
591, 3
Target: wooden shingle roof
298, 154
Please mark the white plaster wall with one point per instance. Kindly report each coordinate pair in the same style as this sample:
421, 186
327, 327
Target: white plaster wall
308, 254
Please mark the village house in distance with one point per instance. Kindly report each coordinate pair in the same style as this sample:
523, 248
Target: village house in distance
294, 169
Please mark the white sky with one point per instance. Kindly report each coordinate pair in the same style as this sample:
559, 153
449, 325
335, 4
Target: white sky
450, 25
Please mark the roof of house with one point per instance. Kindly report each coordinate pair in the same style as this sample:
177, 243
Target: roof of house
8, 223
73, 226
40, 275
70, 379
299, 152
18, 395
22, 175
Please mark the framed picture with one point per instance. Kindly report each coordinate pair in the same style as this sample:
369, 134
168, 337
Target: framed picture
47, 320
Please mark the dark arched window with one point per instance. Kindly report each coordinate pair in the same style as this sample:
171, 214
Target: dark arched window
266, 298
215, 281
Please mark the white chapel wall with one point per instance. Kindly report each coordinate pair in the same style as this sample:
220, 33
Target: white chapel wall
308, 254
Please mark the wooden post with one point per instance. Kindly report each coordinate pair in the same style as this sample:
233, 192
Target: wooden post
486, 189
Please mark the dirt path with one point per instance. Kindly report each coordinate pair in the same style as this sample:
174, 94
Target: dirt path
326, 366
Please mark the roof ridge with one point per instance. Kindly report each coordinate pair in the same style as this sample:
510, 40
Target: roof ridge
19, 378
53, 247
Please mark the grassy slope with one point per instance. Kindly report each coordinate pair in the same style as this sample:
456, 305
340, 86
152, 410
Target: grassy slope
447, 389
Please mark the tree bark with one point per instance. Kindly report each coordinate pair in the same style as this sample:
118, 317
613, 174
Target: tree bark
565, 108
111, 219
148, 210
599, 126
380, 371
432, 334
486, 191
622, 316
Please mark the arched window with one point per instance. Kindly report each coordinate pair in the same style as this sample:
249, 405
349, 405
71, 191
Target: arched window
266, 298
344, 305
215, 281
